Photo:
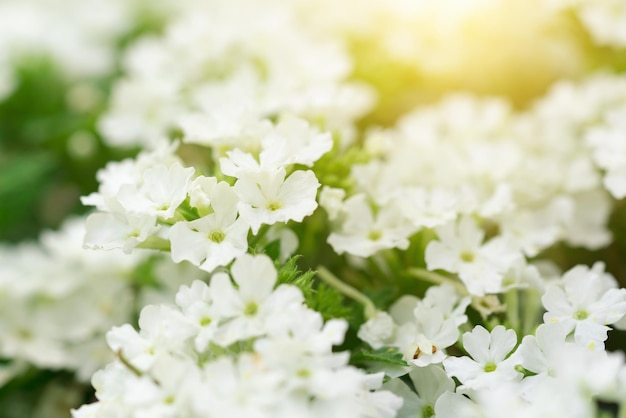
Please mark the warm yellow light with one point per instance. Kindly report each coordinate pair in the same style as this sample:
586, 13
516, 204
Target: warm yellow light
416, 51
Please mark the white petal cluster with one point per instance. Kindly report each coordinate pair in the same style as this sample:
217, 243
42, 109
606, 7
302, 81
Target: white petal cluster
460, 249
44, 285
216, 238
235, 348
133, 196
420, 329
565, 379
363, 234
216, 73
488, 366
564, 361
467, 166
242, 112
155, 198
585, 301
530, 173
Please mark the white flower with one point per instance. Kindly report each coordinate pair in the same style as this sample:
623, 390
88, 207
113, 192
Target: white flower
294, 141
433, 335
213, 240
288, 240
418, 329
162, 329
428, 208
430, 383
108, 230
566, 365
378, 330
266, 197
445, 298
300, 348
331, 199
129, 174
538, 352
196, 303
161, 191
585, 301
455, 405
222, 126
169, 368
538, 228
240, 163
460, 250
251, 306
363, 234
133, 196
488, 366
587, 227
609, 152
141, 112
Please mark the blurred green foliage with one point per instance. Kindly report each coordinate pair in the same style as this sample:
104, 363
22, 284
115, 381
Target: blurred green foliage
49, 149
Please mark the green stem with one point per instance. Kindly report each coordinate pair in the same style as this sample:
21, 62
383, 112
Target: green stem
429, 276
622, 410
132, 368
347, 290
378, 266
532, 309
256, 239
126, 363
511, 299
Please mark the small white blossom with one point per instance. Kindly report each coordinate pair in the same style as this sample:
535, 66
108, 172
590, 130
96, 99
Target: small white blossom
488, 365
213, 240
430, 383
460, 249
161, 190
433, 334
267, 197
585, 302
378, 330
363, 234
250, 307
109, 230
294, 141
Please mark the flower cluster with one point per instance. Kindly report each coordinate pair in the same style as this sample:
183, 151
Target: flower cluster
463, 243
475, 158
203, 220
38, 311
237, 347
533, 376
217, 83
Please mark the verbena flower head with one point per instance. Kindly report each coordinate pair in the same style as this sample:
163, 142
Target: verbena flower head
488, 365
585, 302
235, 347
43, 285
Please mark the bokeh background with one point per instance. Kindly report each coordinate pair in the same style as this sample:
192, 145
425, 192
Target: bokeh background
60, 59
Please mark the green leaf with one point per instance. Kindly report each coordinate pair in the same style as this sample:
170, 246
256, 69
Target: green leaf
332, 304
318, 296
386, 355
